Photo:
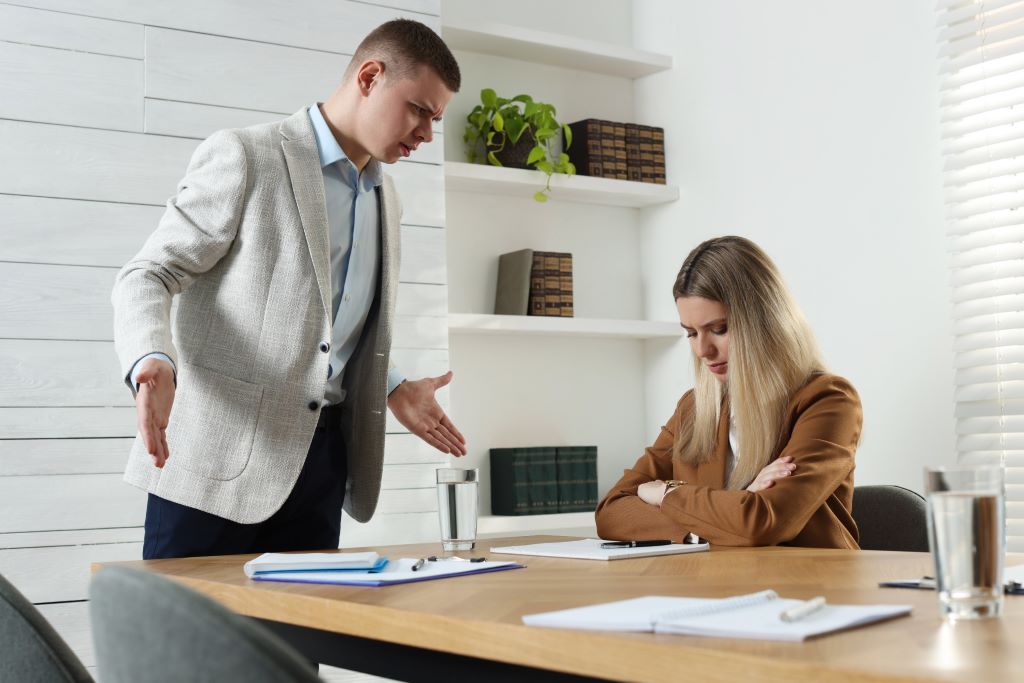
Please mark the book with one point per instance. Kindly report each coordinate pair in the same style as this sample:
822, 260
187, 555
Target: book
586, 150
552, 284
313, 562
577, 478
565, 307
633, 164
512, 294
537, 282
398, 571
509, 486
754, 616
590, 549
542, 478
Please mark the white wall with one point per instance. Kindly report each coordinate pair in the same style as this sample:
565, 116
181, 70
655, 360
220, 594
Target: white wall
812, 128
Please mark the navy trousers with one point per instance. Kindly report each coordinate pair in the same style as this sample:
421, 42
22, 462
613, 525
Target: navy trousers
310, 518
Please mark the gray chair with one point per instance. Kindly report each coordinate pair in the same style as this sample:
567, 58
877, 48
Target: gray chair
148, 629
30, 649
890, 518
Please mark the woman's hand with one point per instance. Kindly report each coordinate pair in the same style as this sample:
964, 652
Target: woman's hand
776, 469
652, 492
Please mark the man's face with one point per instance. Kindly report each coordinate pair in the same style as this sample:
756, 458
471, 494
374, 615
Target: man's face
399, 116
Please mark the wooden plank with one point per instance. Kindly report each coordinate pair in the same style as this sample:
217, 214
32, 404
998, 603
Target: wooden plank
66, 423
60, 574
420, 332
208, 69
71, 501
191, 120
338, 25
20, 457
408, 448
424, 259
71, 88
60, 373
56, 302
417, 476
71, 620
82, 163
50, 539
68, 231
421, 189
73, 303
70, 32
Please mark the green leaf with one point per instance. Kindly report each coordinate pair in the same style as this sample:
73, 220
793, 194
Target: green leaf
545, 133
570, 169
563, 159
514, 128
525, 99
536, 154
493, 159
568, 135
531, 110
546, 167
490, 138
498, 122
539, 196
489, 97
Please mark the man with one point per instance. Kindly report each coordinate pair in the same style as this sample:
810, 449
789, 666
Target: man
282, 247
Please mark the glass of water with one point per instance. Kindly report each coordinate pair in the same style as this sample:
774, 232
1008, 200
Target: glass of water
457, 495
966, 533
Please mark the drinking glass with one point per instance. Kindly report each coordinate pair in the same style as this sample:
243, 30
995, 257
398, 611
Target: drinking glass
966, 533
457, 496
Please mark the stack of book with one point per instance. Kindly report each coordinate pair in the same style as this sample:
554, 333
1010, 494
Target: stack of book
625, 151
543, 480
534, 283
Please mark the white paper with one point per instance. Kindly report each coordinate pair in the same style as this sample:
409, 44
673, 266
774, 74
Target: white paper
590, 549
637, 614
310, 561
397, 571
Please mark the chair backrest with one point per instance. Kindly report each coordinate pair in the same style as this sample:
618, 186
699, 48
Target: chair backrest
890, 518
149, 629
30, 649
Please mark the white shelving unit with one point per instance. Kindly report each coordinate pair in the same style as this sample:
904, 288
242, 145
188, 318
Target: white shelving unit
463, 177
473, 323
555, 49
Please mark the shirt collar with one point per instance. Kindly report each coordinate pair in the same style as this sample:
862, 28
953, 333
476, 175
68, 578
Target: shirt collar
331, 153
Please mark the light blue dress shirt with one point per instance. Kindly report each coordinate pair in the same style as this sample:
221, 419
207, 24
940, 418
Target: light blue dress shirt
353, 220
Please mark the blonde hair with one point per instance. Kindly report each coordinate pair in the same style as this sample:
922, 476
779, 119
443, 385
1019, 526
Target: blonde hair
772, 352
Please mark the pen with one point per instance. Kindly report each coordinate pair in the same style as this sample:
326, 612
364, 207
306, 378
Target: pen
803, 610
633, 544
419, 564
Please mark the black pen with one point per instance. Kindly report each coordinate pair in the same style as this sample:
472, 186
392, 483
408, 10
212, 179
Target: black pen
633, 544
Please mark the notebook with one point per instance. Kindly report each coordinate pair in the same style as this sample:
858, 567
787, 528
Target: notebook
314, 562
395, 572
590, 549
754, 616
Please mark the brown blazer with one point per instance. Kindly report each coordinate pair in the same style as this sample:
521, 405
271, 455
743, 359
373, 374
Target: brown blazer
811, 507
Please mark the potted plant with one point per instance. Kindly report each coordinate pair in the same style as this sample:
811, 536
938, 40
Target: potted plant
517, 132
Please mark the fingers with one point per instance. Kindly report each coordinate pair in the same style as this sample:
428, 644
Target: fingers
443, 380
455, 446
447, 424
434, 441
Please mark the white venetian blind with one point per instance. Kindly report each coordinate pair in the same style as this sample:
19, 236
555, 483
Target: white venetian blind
981, 65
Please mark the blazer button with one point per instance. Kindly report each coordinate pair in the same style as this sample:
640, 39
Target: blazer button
325, 347
313, 405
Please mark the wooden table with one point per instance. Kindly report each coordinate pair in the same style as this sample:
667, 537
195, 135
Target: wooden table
451, 629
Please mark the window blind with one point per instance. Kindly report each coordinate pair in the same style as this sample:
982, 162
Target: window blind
981, 66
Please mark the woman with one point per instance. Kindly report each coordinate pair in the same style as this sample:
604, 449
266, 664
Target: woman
760, 452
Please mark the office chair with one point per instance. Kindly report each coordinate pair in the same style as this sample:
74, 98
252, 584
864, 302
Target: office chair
890, 518
148, 629
32, 650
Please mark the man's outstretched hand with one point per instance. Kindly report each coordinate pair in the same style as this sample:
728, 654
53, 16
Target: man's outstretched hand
153, 405
414, 404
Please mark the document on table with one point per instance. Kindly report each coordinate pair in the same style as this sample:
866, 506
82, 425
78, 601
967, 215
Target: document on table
590, 549
396, 571
755, 616
314, 562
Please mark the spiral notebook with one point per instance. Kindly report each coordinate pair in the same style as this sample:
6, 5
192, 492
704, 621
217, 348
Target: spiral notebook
755, 616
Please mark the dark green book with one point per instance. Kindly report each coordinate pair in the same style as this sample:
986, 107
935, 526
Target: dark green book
542, 474
577, 478
509, 484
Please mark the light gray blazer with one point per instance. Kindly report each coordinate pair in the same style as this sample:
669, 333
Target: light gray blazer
244, 247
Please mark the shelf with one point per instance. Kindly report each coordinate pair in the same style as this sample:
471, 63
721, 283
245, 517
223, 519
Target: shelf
555, 49
464, 177
517, 524
478, 323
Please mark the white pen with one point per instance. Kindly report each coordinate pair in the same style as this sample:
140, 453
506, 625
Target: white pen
802, 611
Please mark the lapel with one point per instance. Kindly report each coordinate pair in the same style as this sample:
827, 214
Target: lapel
307, 179
389, 240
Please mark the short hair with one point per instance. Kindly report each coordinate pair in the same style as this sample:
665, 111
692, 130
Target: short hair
402, 45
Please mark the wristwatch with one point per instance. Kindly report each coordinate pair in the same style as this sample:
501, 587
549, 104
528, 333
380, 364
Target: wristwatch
673, 484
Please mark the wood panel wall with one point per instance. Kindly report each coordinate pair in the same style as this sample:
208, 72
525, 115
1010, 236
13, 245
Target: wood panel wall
101, 104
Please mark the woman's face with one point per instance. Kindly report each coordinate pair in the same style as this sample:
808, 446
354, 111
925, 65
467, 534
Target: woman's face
707, 329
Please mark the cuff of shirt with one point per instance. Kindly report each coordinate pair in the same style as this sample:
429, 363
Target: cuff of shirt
395, 377
161, 356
